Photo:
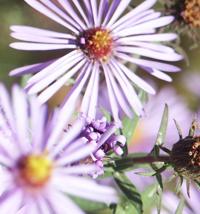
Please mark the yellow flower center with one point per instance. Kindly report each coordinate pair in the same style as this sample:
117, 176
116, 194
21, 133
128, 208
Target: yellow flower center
35, 170
96, 43
191, 13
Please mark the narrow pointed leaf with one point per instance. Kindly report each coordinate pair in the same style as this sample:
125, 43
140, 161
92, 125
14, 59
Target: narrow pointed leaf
163, 127
130, 191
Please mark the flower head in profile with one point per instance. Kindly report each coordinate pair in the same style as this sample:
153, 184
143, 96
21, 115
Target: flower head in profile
101, 37
41, 164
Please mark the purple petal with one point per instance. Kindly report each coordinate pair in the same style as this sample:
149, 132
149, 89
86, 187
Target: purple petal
111, 95
134, 78
54, 87
12, 199
65, 204
76, 128
29, 69
118, 11
156, 23
40, 32
39, 39
129, 91
40, 46
20, 110
119, 94
149, 63
89, 102
142, 7
70, 10
77, 155
42, 9
54, 66
82, 187
172, 56
67, 67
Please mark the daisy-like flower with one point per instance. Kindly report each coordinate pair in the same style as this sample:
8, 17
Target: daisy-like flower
41, 164
100, 38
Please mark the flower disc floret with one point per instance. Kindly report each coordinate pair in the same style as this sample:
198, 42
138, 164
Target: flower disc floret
96, 43
35, 170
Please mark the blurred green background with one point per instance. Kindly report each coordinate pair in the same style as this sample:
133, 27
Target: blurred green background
14, 12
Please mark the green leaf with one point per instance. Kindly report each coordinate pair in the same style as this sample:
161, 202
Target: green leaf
129, 190
87, 205
129, 126
149, 197
159, 179
179, 184
159, 199
125, 207
158, 170
163, 127
143, 96
159, 142
24, 80
180, 207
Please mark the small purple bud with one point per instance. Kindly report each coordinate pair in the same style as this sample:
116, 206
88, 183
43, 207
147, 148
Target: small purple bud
99, 154
118, 150
99, 163
93, 136
120, 139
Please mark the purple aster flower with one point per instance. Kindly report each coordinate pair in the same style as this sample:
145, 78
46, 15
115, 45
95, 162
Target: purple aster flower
100, 38
40, 162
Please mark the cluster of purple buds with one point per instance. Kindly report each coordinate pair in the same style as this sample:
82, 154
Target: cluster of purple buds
102, 134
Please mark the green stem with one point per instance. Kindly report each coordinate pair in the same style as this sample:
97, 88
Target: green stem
149, 159
142, 159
